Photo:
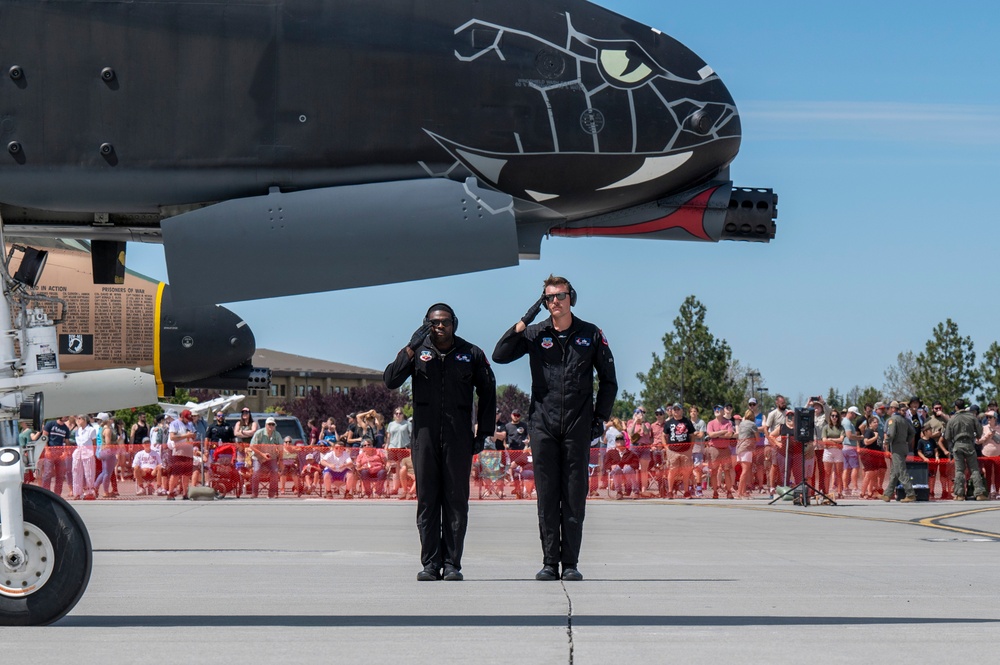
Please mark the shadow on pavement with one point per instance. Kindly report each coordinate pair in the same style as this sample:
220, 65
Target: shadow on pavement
487, 621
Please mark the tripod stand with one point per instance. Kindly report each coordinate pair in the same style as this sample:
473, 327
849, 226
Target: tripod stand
803, 487
804, 430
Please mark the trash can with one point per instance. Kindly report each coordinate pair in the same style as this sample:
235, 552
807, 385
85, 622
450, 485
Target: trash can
919, 477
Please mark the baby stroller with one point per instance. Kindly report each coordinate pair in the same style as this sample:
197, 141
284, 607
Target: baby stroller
492, 469
225, 477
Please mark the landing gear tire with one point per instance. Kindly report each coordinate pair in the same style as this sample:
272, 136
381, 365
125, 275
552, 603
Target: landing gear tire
59, 561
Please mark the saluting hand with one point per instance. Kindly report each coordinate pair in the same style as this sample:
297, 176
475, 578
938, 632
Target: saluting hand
418, 336
533, 311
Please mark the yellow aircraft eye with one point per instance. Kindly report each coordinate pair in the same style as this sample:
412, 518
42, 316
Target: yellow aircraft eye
623, 67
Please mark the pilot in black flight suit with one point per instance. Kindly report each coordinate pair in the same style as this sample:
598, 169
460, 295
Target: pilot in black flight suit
445, 370
563, 352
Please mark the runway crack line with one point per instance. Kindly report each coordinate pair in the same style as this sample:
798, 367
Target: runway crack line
569, 621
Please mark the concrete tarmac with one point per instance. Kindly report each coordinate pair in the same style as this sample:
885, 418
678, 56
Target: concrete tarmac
259, 581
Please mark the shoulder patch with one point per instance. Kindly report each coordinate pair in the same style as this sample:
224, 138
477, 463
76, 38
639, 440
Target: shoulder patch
604, 340
426, 356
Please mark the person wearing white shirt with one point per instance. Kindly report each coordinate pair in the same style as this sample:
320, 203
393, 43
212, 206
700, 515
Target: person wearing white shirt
181, 444
338, 467
145, 468
83, 459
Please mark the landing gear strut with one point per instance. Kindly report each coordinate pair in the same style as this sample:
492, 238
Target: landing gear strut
45, 551
54, 562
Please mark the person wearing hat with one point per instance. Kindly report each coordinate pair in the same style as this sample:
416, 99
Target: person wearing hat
899, 437
55, 461
354, 434
500, 433
852, 460
219, 431
680, 434
882, 415
107, 452
181, 444
83, 459
267, 446
516, 431
720, 434
564, 353
159, 436
245, 427
310, 474
446, 371
961, 433
623, 469
145, 468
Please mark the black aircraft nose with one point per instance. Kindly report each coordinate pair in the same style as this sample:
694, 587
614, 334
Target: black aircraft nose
600, 112
192, 343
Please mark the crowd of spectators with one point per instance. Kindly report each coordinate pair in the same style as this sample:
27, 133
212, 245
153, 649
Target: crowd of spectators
679, 452
88, 457
735, 455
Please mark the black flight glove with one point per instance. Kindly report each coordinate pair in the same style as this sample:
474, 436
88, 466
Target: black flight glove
418, 336
533, 311
477, 444
597, 428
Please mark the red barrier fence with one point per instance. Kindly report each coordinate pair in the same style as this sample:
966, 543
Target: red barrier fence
636, 472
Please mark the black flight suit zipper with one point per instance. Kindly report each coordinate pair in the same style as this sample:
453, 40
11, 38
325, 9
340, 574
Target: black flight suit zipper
562, 369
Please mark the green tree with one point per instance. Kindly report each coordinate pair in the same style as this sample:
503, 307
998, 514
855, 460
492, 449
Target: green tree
989, 374
900, 379
946, 368
625, 405
692, 355
373, 396
737, 391
131, 416
510, 397
835, 400
858, 396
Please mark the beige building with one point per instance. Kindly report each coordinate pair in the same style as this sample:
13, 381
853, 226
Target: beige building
293, 376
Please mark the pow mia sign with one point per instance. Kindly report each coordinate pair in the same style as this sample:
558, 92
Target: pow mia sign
82, 345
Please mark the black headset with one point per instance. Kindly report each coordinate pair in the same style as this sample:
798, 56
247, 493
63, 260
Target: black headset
442, 307
572, 295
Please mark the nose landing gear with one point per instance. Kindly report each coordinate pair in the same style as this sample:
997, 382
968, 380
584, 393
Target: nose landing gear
56, 560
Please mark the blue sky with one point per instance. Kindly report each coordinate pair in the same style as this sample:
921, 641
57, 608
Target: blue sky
878, 125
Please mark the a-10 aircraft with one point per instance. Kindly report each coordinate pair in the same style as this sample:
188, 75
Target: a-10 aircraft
277, 147
259, 139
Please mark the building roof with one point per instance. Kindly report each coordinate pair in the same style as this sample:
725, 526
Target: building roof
289, 364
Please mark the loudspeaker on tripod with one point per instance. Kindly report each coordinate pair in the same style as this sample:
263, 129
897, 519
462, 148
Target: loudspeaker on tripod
805, 425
